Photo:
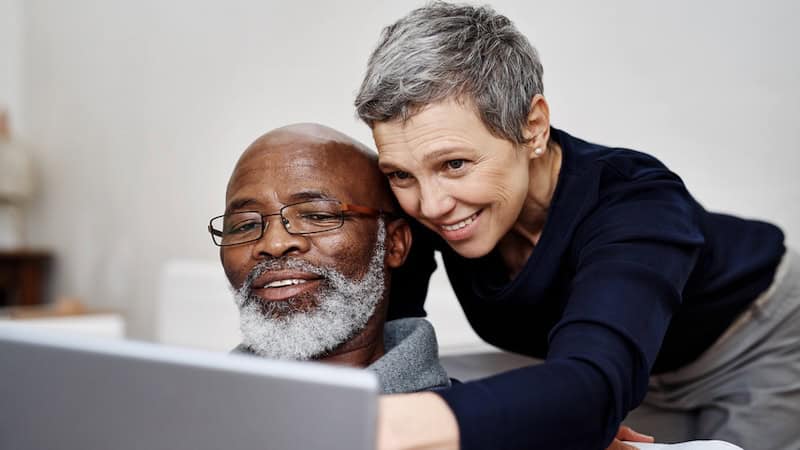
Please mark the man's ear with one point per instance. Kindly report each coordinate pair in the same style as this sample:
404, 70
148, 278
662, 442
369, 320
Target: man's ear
398, 243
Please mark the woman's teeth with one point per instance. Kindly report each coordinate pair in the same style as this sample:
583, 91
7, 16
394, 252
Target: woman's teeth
281, 283
462, 224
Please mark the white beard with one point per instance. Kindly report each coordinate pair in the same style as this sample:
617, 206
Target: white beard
341, 310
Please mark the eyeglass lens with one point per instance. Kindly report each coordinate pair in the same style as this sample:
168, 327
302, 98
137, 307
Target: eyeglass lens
301, 218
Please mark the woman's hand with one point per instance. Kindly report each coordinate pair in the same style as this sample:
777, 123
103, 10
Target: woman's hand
416, 421
627, 434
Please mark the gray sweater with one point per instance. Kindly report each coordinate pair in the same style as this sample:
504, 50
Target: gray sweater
411, 362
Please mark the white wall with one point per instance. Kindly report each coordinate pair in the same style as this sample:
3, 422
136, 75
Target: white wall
138, 110
11, 63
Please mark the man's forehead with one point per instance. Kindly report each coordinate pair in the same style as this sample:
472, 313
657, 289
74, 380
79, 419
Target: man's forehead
257, 199
309, 135
313, 145
288, 161
306, 132
285, 148
291, 175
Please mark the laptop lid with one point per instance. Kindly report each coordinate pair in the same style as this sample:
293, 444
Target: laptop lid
68, 392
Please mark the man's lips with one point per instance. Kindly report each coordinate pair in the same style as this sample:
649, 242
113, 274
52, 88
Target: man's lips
284, 284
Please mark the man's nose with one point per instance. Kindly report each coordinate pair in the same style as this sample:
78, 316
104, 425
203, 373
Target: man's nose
276, 241
435, 201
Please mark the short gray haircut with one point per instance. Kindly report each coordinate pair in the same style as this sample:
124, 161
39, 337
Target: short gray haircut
443, 51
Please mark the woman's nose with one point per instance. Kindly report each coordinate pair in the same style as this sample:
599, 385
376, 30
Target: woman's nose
434, 201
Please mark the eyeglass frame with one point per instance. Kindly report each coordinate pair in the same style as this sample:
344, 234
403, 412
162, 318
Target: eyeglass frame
345, 207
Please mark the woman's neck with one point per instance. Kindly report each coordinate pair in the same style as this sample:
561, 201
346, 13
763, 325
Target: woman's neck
517, 245
541, 186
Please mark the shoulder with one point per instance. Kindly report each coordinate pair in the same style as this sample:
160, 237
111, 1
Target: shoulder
399, 330
411, 361
612, 164
411, 336
620, 181
629, 195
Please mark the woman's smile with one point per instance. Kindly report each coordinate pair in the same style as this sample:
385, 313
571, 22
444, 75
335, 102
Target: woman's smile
460, 230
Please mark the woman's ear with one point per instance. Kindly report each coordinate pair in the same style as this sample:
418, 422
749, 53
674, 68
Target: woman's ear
537, 127
398, 243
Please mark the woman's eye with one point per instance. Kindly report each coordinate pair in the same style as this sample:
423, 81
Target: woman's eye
455, 164
399, 175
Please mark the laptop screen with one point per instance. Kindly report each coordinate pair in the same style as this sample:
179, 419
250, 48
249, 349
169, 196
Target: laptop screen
70, 392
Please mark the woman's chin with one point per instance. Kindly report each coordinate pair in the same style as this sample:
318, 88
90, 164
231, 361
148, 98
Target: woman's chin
472, 248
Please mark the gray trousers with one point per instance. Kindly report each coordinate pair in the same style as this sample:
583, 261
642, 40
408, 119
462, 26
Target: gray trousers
745, 389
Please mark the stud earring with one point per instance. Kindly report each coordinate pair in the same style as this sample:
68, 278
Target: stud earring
538, 151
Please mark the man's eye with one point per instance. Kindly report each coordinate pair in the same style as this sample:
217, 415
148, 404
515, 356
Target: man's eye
455, 164
319, 217
244, 227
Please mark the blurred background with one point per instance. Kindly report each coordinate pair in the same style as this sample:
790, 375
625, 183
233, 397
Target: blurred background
133, 113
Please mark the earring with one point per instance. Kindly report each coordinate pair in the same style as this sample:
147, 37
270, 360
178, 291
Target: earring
538, 151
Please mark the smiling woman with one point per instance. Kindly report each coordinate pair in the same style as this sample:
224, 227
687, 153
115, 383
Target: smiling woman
448, 171
595, 258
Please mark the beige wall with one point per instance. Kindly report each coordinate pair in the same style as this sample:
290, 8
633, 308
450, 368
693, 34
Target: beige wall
138, 110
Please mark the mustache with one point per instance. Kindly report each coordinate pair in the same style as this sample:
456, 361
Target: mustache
282, 263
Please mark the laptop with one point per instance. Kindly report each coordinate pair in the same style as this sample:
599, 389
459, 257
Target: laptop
68, 392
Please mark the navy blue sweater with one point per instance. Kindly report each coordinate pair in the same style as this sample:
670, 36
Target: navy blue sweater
631, 276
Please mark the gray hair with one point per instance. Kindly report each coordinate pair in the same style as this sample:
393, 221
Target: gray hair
443, 51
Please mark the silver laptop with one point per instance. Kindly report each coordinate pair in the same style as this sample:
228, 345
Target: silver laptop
68, 392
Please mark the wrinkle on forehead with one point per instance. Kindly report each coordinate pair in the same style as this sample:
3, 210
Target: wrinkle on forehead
307, 150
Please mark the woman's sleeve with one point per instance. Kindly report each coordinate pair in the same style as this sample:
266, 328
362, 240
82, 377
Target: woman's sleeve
410, 281
632, 258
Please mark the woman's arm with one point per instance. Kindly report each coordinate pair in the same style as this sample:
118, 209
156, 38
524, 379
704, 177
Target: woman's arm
631, 261
424, 421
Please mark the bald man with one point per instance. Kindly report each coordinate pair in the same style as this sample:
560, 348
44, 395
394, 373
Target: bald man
308, 241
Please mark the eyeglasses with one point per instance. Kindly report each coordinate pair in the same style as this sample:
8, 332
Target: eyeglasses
315, 216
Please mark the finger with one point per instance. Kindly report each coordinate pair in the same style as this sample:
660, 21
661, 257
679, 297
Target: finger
616, 444
629, 434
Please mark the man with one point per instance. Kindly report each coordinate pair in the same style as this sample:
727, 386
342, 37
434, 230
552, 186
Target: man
308, 241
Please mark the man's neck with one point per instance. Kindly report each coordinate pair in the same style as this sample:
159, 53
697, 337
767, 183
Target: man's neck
361, 351
359, 357
367, 346
364, 348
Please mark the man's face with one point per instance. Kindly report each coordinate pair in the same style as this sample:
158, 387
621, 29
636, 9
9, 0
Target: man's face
301, 295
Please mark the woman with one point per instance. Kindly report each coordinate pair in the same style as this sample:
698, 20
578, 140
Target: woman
595, 258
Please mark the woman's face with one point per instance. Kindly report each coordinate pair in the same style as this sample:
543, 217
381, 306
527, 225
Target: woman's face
450, 173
